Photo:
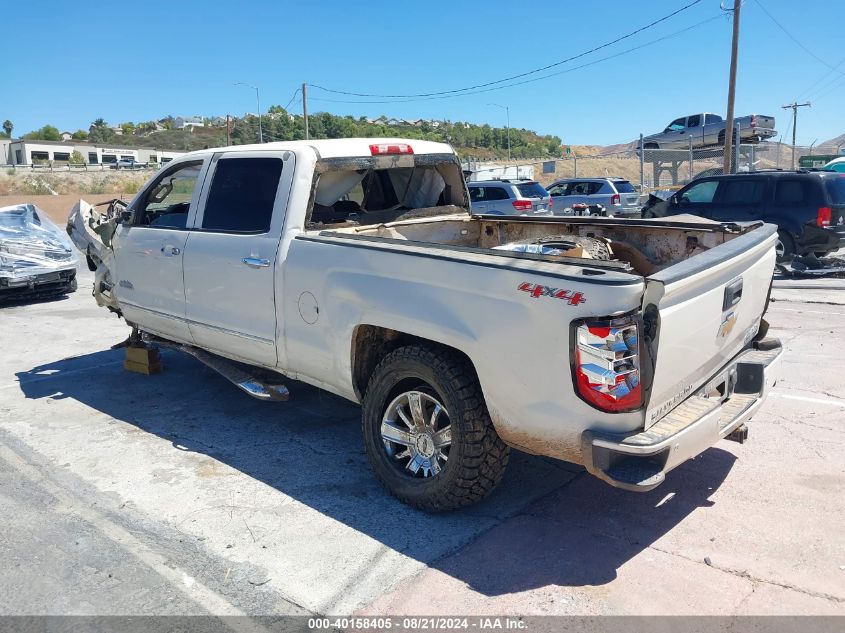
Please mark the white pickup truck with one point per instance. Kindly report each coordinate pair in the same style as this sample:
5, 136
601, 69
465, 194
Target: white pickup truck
628, 346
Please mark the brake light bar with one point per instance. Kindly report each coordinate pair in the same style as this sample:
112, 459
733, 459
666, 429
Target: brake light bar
607, 364
380, 149
823, 217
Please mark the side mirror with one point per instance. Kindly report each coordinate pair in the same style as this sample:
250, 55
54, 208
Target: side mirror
127, 216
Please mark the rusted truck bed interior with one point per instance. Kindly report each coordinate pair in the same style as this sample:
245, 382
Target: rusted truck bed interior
638, 247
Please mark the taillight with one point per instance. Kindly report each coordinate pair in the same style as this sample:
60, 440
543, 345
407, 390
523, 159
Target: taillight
378, 149
753, 121
615, 199
823, 218
607, 364
551, 200
522, 205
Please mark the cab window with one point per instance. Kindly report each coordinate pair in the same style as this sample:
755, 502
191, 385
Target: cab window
167, 203
676, 125
242, 195
700, 193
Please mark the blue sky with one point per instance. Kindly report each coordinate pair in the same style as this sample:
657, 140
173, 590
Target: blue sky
135, 61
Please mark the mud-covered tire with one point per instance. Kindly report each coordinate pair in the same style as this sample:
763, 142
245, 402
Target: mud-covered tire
477, 457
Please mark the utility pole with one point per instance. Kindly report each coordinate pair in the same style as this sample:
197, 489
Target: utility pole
305, 107
794, 105
228, 132
729, 119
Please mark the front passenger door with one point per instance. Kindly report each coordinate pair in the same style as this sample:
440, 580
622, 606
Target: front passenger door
231, 256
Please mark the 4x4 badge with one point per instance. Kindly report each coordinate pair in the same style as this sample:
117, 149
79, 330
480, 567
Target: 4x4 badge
536, 290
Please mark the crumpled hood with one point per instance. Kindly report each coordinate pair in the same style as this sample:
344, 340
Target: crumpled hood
30, 244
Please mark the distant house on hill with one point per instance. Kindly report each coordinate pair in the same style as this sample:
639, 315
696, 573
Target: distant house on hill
66, 136
218, 121
190, 122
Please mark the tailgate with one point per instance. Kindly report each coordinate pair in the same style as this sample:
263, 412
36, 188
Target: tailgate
709, 308
761, 121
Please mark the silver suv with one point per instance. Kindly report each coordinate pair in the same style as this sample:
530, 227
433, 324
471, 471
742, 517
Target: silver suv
616, 195
509, 197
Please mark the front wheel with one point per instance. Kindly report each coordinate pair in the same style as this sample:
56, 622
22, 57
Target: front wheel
427, 432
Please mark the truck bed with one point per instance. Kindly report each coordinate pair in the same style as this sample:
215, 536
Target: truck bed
639, 247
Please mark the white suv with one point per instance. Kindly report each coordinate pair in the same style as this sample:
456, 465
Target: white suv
509, 197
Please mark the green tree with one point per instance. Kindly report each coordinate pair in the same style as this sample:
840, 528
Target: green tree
46, 133
79, 135
8, 126
127, 128
77, 157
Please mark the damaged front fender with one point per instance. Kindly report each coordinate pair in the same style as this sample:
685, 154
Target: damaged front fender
91, 231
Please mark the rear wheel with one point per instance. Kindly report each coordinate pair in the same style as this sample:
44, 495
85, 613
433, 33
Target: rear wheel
427, 432
785, 247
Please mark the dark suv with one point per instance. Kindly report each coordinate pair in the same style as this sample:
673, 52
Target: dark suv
808, 207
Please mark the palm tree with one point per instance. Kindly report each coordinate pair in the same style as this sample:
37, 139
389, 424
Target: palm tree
8, 127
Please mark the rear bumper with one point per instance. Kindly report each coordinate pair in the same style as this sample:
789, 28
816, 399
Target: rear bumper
820, 239
640, 461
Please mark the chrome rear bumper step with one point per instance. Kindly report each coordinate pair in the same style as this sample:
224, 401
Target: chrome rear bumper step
639, 461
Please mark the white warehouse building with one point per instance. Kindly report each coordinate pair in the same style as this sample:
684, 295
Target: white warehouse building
26, 152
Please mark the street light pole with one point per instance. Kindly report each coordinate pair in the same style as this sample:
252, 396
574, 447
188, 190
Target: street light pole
508, 114
258, 104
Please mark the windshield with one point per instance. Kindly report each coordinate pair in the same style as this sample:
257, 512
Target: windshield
532, 190
836, 189
623, 186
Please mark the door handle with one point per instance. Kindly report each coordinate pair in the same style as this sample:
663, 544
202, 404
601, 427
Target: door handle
170, 250
255, 262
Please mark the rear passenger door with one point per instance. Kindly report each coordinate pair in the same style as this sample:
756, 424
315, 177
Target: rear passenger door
740, 199
230, 259
795, 201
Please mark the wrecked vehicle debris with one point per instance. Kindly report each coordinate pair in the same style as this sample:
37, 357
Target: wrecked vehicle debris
812, 266
36, 259
357, 266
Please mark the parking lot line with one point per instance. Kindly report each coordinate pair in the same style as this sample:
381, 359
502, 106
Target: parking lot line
829, 401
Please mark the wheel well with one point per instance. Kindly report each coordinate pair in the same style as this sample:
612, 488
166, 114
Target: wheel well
371, 343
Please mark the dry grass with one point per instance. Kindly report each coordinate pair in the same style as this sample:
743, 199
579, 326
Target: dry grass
61, 183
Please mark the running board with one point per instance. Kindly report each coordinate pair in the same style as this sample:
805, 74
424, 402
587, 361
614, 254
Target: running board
242, 380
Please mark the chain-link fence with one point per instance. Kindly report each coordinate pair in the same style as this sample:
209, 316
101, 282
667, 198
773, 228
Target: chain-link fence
648, 169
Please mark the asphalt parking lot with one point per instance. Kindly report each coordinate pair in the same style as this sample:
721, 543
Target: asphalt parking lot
177, 494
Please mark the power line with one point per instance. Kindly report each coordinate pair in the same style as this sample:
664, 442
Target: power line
295, 92
795, 39
823, 78
534, 79
512, 77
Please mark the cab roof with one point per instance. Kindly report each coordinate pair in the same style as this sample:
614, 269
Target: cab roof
335, 148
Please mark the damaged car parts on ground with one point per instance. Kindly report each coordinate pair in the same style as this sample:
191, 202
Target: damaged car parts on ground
355, 265
36, 257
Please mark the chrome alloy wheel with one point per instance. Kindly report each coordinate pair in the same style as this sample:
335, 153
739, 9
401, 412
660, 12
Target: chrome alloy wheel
417, 433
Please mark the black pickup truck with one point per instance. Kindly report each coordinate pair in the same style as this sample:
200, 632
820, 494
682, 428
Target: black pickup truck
808, 207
